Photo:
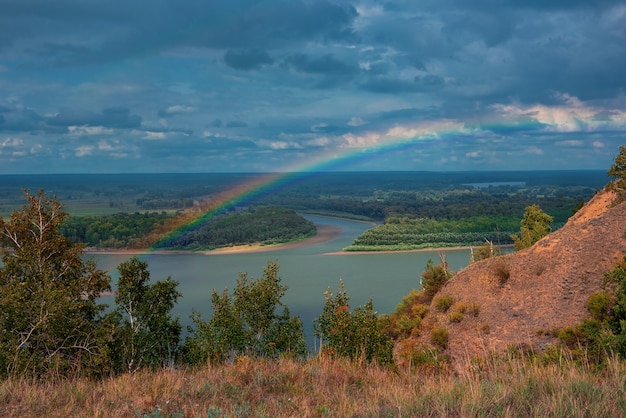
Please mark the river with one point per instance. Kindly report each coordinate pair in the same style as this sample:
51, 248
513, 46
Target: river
307, 272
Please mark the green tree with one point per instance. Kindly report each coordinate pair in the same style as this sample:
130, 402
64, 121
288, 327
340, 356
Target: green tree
357, 335
50, 321
435, 276
247, 323
534, 226
618, 169
147, 335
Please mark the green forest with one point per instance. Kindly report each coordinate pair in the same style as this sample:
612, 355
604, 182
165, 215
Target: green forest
265, 225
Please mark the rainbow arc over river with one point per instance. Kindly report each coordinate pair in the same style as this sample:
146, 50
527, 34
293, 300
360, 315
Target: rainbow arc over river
358, 150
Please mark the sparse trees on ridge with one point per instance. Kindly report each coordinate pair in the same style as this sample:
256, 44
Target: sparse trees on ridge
618, 169
534, 226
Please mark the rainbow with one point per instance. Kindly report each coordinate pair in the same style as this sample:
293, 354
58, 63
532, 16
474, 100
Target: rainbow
354, 149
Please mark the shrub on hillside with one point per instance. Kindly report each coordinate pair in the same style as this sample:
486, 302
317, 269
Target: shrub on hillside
439, 337
358, 335
435, 276
443, 302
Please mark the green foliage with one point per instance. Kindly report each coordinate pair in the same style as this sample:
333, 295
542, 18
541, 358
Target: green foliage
147, 336
407, 317
439, 337
357, 335
616, 281
49, 315
410, 233
443, 302
265, 225
618, 169
605, 331
600, 305
534, 226
456, 316
112, 231
434, 277
247, 323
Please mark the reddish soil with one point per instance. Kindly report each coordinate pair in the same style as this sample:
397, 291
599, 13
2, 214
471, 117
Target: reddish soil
546, 288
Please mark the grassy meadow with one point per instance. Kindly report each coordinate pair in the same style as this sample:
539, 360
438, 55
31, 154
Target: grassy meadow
321, 387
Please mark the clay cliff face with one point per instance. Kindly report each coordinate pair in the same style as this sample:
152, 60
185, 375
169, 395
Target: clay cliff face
524, 296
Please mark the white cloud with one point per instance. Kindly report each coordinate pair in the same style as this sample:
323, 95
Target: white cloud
570, 143
84, 150
89, 130
572, 116
12, 142
154, 135
356, 122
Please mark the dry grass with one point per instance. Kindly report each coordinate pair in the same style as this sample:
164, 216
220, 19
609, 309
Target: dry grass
324, 387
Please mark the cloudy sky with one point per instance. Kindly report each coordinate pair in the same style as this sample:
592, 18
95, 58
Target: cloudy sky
280, 85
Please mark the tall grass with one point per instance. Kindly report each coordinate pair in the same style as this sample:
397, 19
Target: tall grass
327, 387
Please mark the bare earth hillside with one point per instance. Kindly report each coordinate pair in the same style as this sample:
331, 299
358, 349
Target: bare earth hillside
524, 296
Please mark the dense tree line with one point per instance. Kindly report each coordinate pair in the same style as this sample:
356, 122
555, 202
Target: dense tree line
451, 203
406, 233
112, 231
263, 225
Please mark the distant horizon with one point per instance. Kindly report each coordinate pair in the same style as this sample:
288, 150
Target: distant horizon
308, 172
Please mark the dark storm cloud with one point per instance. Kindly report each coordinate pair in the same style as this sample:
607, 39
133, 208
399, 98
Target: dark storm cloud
115, 117
385, 85
325, 64
247, 59
236, 124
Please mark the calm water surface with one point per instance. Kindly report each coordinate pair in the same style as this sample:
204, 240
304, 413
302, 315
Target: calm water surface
306, 271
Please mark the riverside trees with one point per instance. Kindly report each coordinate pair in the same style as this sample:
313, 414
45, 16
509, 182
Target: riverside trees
51, 323
50, 320
247, 323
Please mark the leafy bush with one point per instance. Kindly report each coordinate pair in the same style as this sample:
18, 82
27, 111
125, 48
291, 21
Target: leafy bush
599, 305
439, 337
359, 334
605, 331
456, 316
443, 302
247, 323
434, 277
407, 318
458, 311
